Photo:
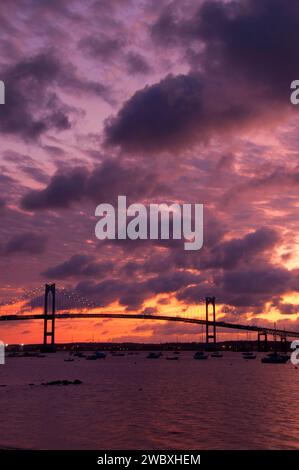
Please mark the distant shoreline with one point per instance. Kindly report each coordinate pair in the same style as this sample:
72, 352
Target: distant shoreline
242, 345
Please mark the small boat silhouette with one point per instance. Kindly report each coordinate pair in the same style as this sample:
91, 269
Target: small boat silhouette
275, 358
100, 355
249, 355
217, 354
153, 355
200, 355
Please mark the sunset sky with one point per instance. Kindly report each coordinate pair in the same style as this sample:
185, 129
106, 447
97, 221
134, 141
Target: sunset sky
172, 101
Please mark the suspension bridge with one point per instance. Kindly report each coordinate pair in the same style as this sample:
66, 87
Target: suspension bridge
32, 300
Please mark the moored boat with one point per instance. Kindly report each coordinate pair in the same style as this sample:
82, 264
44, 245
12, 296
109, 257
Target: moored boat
200, 355
249, 355
275, 358
92, 357
153, 355
100, 355
216, 354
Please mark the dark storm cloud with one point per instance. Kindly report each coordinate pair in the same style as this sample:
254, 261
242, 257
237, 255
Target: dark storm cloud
251, 251
101, 46
164, 30
113, 50
62, 191
241, 273
79, 265
103, 184
248, 250
132, 294
285, 308
247, 288
254, 287
32, 107
29, 243
2, 203
5, 179
269, 281
46, 5
27, 165
275, 179
242, 71
104, 292
113, 178
137, 64
172, 113
252, 38
256, 38
158, 115
154, 263
171, 282
35, 173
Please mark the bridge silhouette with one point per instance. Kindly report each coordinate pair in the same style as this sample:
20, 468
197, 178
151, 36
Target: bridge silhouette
50, 315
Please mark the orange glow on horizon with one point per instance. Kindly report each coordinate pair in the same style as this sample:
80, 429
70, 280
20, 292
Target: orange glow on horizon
135, 330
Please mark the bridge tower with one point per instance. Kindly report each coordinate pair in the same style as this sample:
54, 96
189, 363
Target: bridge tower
283, 343
262, 335
49, 318
210, 329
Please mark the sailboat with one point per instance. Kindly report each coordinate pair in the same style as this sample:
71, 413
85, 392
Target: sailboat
249, 355
153, 355
200, 355
217, 354
275, 357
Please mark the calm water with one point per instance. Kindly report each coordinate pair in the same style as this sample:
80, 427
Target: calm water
134, 403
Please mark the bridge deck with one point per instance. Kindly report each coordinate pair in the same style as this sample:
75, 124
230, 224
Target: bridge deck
219, 324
